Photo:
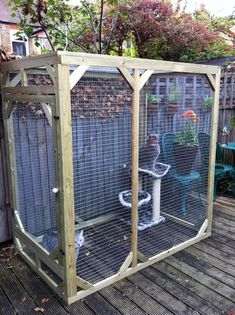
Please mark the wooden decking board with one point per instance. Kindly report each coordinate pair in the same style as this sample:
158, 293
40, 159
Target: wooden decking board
100, 306
187, 297
154, 290
225, 229
226, 219
194, 286
5, 306
37, 290
197, 280
142, 299
20, 299
79, 308
204, 279
218, 245
226, 257
124, 305
213, 261
223, 239
207, 268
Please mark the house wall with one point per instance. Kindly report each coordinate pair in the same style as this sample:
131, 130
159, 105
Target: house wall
7, 35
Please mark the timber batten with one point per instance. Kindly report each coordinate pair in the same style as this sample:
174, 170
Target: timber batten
60, 101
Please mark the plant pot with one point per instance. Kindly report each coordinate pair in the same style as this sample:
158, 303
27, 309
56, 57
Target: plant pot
152, 107
172, 108
184, 157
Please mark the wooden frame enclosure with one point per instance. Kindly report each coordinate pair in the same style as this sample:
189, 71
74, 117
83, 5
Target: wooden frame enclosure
56, 102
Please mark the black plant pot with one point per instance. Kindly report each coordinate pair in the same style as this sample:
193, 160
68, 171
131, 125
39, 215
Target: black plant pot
184, 157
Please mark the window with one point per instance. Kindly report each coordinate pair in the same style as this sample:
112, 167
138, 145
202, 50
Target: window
18, 48
19, 44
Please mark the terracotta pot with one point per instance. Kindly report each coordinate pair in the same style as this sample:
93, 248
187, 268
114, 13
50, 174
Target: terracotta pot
172, 108
152, 107
184, 157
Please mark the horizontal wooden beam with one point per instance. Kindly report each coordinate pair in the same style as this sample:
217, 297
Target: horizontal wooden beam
31, 62
38, 90
30, 98
99, 220
71, 58
42, 273
134, 63
42, 253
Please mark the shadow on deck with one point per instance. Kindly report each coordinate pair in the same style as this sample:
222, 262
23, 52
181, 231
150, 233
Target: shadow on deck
197, 280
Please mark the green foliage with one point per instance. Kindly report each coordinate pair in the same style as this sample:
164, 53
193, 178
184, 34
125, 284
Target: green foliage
174, 93
154, 99
143, 28
232, 122
208, 102
187, 135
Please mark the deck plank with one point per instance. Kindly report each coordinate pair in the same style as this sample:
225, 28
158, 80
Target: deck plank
15, 292
185, 280
180, 292
198, 280
142, 299
204, 279
159, 294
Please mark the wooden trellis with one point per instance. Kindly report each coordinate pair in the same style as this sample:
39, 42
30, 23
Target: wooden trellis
56, 103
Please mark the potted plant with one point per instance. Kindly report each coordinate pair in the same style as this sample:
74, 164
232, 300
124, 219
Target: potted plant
173, 99
208, 102
153, 103
186, 144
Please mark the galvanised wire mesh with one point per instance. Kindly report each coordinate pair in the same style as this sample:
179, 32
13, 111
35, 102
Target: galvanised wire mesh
34, 168
181, 121
101, 124
102, 115
172, 194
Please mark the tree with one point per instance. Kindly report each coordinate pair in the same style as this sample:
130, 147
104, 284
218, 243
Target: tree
159, 31
78, 28
150, 28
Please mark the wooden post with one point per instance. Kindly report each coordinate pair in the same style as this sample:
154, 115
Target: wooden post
213, 140
62, 136
135, 165
10, 151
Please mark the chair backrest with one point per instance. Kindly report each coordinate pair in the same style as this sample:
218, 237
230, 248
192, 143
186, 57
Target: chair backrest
204, 145
167, 149
219, 153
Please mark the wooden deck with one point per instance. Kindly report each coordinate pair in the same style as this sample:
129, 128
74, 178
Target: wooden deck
198, 280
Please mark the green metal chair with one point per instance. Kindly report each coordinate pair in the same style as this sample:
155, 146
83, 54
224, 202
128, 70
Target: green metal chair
184, 182
221, 169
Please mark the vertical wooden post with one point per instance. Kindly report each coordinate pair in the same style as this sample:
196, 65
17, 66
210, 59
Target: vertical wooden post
10, 154
62, 136
135, 165
213, 140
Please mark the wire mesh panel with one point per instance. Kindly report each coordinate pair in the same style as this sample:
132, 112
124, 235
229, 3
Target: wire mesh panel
34, 168
175, 113
101, 126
